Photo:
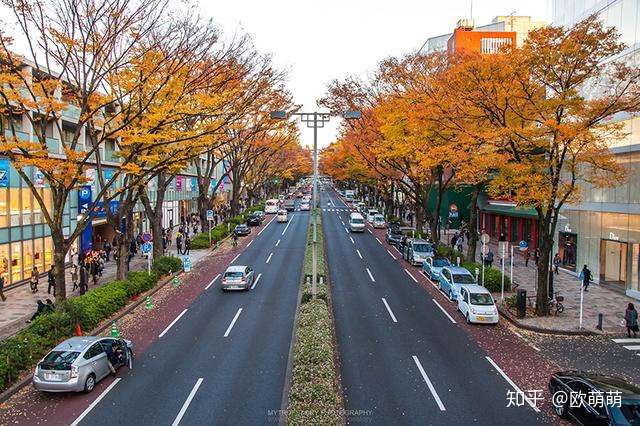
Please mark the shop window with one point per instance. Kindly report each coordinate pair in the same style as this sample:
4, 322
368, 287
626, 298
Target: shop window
38, 253
16, 262
27, 257
4, 208
27, 206
14, 203
4, 262
48, 253
568, 249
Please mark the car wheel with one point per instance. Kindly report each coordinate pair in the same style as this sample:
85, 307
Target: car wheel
468, 319
90, 383
450, 295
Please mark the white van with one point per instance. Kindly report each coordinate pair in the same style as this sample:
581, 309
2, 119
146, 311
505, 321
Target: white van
370, 214
271, 206
356, 222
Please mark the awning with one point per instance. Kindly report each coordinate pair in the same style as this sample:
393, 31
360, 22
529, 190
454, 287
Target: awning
514, 211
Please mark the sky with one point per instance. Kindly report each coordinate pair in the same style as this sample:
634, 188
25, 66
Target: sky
318, 41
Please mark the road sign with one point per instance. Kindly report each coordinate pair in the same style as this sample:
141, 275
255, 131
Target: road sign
146, 247
146, 237
186, 263
485, 238
209, 214
523, 245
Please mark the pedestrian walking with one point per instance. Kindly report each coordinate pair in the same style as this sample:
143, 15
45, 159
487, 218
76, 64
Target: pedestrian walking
51, 279
35, 278
527, 256
585, 277
2, 296
107, 250
536, 255
454, 240
631, 320
488, 259
84, 279
179, 242
74, 277
557, 261
187, 245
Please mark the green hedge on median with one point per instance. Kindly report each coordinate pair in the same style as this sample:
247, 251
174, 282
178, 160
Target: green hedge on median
22, 351
219, 232
492, 277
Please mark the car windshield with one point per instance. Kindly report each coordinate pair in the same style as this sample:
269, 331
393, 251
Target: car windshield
59, 360
373, 212
463, 279
422, 248
378, 218
628, 413
237, 274
356, 220
440, 262
481, 299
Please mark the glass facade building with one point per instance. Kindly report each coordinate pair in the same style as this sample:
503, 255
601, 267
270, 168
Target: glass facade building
603, 230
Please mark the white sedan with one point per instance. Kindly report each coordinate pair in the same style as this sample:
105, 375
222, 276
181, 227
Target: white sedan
477, 305
282, 216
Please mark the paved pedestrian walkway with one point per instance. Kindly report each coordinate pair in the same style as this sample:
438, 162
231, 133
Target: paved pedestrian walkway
21, 303
598, 299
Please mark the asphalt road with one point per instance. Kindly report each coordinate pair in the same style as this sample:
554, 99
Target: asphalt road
403, 360
224, 360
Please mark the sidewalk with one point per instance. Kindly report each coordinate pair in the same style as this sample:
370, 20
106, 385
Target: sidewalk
597, 300
21, 303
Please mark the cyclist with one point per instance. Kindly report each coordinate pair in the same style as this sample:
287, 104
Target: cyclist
235, 239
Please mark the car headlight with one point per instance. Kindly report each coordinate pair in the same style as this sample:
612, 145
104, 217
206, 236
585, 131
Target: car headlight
473, 311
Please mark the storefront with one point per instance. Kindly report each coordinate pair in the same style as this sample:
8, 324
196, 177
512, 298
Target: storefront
503, 221
568, 249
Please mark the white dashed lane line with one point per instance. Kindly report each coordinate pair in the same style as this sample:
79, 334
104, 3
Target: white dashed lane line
277, 243
352, 242
513, 385
444, 312
371, 275
172, 323
269, 258
393, 317
429, 384
391, 254
359, 255
212, 281
187, 402
233, 321
255, 282
412, 277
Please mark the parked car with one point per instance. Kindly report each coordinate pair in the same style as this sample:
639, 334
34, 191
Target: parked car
78, 363
271, 206
451, 278
360, 206
378, 221
416, 250
254, 219
260, 213
282, 216
433, 265
238, 277
395, 234
242, 229
356, 222
370, 214
289, 205
305, 206
477, 305
577, 386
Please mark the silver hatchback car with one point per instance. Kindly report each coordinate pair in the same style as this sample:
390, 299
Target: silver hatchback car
78, 363
238, 278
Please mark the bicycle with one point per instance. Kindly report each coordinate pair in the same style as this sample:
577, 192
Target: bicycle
555, 302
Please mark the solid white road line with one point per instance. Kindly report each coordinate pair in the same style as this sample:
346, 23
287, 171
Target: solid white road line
371, 276
94, 403
212, 281
399, 252
187, 402
359, 255
233, 321
235, 258
378, 240
269, 258
346, 230
172, 323
513, 385
633, 348
265, 227
429, 279
393, 317
409, 273
277, 243
391, 254
630, 340
249, 244
288, 223
445, 312
370, 231
429, 384
255, 282
352, 242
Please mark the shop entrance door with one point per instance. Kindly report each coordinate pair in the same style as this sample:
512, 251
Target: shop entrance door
613, 262
568, 249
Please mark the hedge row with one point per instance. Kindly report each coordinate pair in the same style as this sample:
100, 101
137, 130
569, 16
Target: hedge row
314, 397
219, 232
492, 277
22, 351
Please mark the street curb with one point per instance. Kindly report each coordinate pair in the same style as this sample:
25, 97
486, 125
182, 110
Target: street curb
550, 331
12, 390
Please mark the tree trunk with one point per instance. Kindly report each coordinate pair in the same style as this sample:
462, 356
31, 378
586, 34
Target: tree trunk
235, 197
154, 213
123, 254
545, 244
59, 247
472, 227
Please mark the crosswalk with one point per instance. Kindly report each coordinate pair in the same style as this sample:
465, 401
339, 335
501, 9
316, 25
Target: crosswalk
339, 210
631, 344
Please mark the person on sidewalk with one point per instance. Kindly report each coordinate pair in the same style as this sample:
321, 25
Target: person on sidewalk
585, 277
536, 256
187, 245
107, 250
49, 307
84, 279
74, 277
39, 310
488, 259
35, 277
556, 263
179, 242
527, 257
631, 320
2, 296
51, 280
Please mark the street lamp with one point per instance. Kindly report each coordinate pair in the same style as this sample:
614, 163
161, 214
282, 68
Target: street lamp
315, 120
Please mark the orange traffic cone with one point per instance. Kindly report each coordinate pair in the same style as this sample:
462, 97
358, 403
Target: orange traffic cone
78, 330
